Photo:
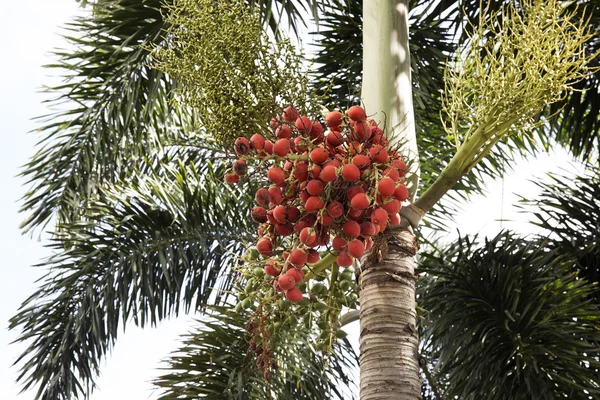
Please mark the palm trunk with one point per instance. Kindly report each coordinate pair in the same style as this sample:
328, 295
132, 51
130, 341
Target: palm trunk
389, 367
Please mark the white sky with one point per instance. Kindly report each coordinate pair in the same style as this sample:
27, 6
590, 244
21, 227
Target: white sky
31, 30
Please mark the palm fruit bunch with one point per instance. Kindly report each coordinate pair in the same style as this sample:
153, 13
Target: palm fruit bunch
323, 190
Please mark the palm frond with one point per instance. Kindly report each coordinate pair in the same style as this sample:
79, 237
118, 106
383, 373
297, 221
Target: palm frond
508, 319
148, 245
568, 211
117, 108
216, 362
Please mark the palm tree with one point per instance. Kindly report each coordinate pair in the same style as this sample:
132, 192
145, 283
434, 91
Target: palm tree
147, 229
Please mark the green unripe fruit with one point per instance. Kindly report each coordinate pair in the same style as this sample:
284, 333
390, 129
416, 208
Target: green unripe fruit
325, 334
320, 278
323, 325
252, 285
251, 254
320, 306
318, 288
239, 308
340, 334
258, 272
247, 303
347, 274
344, 285
283, 305
241, 296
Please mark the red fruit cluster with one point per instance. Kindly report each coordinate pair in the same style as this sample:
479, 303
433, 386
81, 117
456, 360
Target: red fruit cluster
342, 186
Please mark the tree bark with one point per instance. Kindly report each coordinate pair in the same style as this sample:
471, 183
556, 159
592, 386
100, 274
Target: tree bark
389, 367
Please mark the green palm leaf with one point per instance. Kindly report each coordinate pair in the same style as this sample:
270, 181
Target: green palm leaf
568, 210
216, 362
508, 319
146, 247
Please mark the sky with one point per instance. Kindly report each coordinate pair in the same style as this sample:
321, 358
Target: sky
33, 29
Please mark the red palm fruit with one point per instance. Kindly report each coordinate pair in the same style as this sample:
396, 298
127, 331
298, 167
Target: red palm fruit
240, 167
301, 171
259, 215
241, 146
351, 173
276, 286
360, 201
379, 154
333, 163
316, 130
293, 214
392, 173
401, 192
271, 218
339, 243
300, 145
282, 147
356, 215
368, 243
276, 175
268, 147
303, 124
335, 209
308, 237
298, 275
274, 122
280, 214
361, 161
262, 197
395, 220
328, 174
351, 229
310, 219
304, 196
362, 131
275, 196
286, 281
313, 256
316, 171
315, 187
386, 186
357, 113
335, 138
284, 229
290, 114
367, 229
298, 257
325, 219
354, 148
314, 203
382, 227
353, 191
356, 248
400, 166
283, 132
257, 141
379, 216
344, 260
377, 136
319, 155
265, 247
231, 178
334, 119
294, 295
271, 268
392, 207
